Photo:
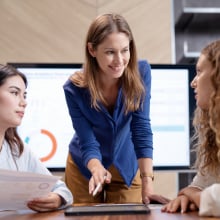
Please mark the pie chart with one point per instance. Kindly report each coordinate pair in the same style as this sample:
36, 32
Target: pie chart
47, 134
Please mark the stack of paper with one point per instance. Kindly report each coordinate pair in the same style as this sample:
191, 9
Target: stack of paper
17, 188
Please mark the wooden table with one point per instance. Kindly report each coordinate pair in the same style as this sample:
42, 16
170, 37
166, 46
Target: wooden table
155, 214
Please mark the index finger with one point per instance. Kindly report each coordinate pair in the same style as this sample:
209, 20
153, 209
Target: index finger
91, 185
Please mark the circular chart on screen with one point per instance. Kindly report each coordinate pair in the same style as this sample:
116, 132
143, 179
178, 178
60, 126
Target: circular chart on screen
43, 139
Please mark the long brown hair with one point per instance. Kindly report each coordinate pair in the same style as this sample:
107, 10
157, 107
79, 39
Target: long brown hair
207, 122
11, 134
100, 28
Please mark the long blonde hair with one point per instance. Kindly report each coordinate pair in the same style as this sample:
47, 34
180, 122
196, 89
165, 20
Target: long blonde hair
206, 123
133, 88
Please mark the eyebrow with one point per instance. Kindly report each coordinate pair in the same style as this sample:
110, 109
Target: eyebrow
110, 48
15, 87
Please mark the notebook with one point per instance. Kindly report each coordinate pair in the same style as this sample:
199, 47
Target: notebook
107, 209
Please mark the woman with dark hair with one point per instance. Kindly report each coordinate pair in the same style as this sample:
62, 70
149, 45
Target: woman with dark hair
204, 190
14, 155
109, 104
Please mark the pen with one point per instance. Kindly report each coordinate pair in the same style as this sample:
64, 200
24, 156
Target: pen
97, 188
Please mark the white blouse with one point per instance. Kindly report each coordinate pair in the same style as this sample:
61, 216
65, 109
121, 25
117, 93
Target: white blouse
28, 162
210, 196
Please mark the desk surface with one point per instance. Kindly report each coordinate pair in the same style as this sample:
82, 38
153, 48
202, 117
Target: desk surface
155, 214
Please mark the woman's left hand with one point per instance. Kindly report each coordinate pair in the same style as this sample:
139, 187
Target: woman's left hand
187, 200
158, 199
193, 193
147, 193
44, 204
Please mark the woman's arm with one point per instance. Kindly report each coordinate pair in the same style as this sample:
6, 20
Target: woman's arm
60, 195
146, 173
209, 201
77, 102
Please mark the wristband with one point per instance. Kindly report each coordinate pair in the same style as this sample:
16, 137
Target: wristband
151, 175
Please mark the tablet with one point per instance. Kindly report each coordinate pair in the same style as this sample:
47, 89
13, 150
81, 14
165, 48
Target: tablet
108, 209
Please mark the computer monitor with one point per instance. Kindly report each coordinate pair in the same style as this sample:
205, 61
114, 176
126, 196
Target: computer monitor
172, 107
47, 128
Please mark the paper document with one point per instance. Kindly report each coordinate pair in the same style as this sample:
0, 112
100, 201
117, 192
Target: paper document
17, 188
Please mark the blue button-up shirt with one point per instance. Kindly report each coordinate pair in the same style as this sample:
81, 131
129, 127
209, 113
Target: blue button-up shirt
118, 139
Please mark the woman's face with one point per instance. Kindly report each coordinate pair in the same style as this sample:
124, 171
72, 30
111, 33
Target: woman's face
202, 82
12, 102
112, 55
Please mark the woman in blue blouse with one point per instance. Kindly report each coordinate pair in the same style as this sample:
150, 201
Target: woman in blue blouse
108, 101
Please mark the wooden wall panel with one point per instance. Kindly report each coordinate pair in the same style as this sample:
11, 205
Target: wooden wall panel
150, 21
44, 31
54, 30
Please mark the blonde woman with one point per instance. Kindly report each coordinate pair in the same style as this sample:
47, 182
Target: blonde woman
203, 193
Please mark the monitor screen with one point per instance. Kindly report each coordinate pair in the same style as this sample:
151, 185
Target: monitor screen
172, 107
47, 128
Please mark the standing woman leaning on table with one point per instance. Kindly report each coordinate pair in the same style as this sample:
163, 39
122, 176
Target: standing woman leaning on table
14, 155
204, 191
109, 102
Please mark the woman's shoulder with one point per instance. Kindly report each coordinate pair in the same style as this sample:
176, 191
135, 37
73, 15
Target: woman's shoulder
28, 153
68, 84
143, 66
75, 82
144, 69
142, 63
31, 162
